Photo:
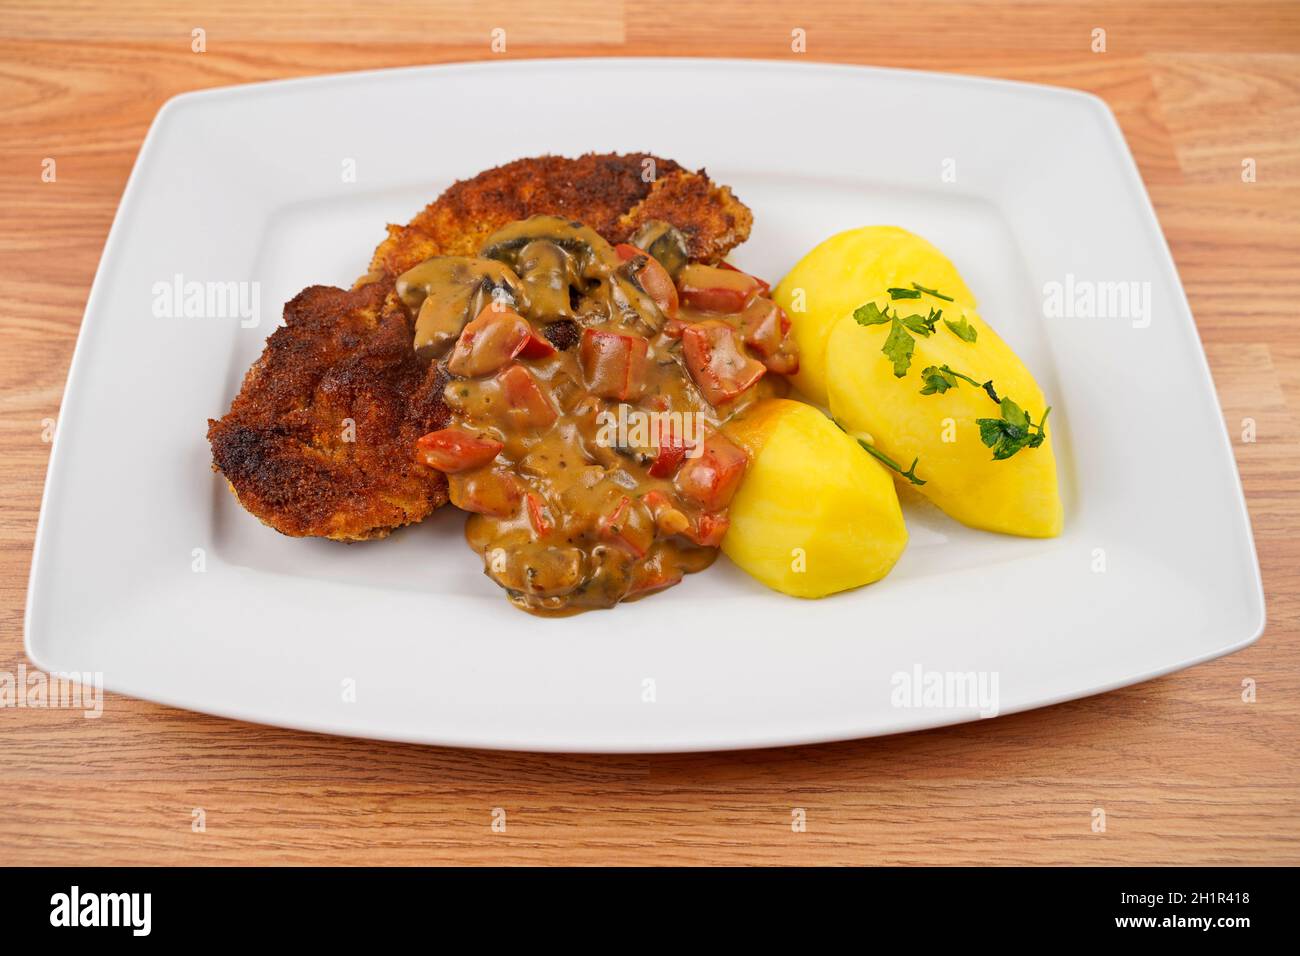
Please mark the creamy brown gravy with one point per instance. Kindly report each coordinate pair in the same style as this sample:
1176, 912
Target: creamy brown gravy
572, 512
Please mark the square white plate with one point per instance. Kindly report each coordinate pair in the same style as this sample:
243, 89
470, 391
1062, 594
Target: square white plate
247, 184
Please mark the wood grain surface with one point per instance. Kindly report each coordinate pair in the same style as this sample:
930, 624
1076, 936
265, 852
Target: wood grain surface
1185, 770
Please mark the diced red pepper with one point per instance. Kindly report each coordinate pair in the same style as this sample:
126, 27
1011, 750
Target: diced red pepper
711, 479
489, 492
654, 278
760, 326
714, 289
674, 328
764, 287
671, 449
667, 461
536, 347
526, 404
490, 341
766, 329
453, 449
628, 527
614, 363
717, 362
537, 515
709, 530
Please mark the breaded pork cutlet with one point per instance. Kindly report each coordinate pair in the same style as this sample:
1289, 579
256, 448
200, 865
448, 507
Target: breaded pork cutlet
349, 355
319, 440
612, 193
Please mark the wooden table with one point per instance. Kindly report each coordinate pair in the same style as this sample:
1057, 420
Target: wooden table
1185, 770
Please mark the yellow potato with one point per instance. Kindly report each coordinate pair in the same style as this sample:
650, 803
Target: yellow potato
1017, 495
816, 514
843, 272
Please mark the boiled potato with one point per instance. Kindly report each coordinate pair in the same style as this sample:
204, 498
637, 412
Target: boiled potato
843, 272
816, 514
1017, 495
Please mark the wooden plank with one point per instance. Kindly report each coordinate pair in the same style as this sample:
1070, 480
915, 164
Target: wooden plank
1185, 770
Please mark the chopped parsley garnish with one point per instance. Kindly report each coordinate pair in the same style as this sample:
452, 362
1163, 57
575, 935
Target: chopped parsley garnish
921, 324
880, 456
899, 344
941, 378
938, 379
870, 314
1012, 432
962, 329
898, 348
920, 288
1006, 435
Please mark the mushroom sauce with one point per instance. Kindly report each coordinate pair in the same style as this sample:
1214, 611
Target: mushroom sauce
588, 385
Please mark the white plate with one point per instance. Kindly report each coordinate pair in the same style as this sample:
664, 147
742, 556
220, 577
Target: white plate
247, 184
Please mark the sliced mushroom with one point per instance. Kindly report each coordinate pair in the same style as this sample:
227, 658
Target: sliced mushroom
592, 257
666, 243
594, 270
548, 272
447, 291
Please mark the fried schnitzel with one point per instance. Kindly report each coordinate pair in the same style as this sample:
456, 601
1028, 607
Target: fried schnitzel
612, 193
318, 441
285, 445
